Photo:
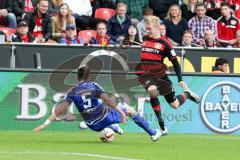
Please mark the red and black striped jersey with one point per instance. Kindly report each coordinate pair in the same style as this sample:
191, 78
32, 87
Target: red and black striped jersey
156, 49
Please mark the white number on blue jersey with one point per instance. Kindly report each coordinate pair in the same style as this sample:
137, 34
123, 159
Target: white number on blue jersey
86, 102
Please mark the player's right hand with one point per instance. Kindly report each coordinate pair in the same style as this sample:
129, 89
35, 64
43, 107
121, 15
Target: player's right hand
39, 128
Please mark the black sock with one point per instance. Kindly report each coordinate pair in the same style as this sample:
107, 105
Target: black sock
157, 110
181, 98
186, 94
160, 119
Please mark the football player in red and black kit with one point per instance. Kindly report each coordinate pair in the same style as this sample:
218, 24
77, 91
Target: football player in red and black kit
153, 76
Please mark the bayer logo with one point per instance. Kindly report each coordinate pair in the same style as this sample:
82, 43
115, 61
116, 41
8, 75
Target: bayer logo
220, 107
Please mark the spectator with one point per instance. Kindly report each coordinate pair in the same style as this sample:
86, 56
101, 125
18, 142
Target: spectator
200, 23
132, 37
23, 34
82, 11
237, 9
237, 5
59, 22
135, 9
102, 38
162, 29
71, 36
57, 3
21, 7
210, 39
52, 7
232, 3
221, 66
188, 39
79, 7
39, 22
141, 25
160, 7
213, 8
189, 9
118, 25
175, 24
103, 4
237, 44
7, 18
227, 26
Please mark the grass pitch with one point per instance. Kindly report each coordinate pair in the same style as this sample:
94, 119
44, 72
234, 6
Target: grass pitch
85, 145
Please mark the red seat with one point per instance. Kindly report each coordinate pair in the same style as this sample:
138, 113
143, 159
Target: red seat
237, 13
104, 13
8, 31
87, 35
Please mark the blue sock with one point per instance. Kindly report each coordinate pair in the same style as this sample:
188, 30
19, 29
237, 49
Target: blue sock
143, 124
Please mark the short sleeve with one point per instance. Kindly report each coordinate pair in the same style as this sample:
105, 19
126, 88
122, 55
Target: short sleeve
169, 51
98, 91
69, 96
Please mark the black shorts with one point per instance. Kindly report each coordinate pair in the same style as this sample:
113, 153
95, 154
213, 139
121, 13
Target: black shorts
163, 84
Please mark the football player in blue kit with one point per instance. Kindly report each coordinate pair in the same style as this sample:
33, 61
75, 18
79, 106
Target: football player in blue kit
86, 96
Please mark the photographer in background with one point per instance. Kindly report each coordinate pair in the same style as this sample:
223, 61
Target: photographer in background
221, 66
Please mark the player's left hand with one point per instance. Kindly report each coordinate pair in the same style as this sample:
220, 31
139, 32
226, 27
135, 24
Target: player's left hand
124, 118
39, 128
183, 84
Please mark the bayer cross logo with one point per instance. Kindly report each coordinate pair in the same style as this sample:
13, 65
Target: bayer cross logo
220, 107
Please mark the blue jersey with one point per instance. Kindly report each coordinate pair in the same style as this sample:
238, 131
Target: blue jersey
86, 98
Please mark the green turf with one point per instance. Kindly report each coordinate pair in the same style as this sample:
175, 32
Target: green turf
75, 145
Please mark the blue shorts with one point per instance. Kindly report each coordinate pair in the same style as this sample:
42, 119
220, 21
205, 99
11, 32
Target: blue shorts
111, 117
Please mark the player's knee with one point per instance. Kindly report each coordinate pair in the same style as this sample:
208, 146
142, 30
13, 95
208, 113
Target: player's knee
152, 90
130, 111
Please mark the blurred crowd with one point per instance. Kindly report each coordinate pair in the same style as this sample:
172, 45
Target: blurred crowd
189, 23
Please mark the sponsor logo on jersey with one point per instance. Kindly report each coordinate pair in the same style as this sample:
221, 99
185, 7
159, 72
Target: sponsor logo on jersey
233, 22
158, 45
173, 53
151, 50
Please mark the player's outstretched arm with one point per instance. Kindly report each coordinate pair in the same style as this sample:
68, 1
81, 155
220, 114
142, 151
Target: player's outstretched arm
177, 69
112, 104
59, 109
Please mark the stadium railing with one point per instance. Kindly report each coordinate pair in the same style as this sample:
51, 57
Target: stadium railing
49, 56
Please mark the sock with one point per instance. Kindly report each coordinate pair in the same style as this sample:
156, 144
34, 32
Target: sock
160, 120
143, 124
113, 127
181, 98
186, 94
155, 103
157, 109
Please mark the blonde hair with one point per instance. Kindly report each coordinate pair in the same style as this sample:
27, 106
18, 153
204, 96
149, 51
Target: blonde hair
155, 21
169, 17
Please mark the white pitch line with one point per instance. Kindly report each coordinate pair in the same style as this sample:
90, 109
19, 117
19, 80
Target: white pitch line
70, 153
186, 136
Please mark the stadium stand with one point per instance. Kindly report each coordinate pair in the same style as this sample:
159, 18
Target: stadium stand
87, 35
105, 13
8, 31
